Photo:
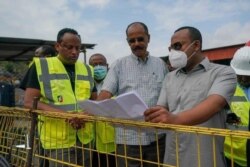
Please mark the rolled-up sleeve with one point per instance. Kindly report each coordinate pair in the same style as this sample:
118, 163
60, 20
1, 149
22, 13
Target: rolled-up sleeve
225, 84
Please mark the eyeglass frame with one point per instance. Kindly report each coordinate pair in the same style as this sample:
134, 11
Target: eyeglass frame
179, 45
70, 47
133, 40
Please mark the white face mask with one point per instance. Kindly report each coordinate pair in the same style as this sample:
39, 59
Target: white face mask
178, 59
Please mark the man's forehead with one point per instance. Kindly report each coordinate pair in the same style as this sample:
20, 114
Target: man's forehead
136, 29
98, 58
182, 35
69, 37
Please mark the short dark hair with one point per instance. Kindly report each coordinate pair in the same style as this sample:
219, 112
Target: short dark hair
48, 50
142, 24
194, 33
98, 54
66, 30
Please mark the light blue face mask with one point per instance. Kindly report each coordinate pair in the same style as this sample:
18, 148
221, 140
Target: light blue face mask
100, 72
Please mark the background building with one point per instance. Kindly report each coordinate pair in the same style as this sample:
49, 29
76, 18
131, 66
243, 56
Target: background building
222, 55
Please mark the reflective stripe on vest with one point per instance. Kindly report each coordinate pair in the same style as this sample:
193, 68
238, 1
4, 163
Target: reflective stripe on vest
238, 99
88, 78
237, 127
65, 107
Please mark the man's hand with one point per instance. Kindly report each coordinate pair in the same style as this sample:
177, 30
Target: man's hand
159, 114
76, 123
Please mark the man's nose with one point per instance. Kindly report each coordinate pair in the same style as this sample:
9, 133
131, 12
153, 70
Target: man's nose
75, 50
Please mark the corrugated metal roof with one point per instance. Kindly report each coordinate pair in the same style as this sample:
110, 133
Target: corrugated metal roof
220, 53
22, 49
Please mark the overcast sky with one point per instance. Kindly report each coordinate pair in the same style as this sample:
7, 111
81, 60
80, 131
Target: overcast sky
103, 22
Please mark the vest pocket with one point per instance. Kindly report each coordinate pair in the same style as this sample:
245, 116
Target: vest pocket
105, 132
86, 134
54, 129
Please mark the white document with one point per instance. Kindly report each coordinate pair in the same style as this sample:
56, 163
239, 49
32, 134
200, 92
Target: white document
126, 106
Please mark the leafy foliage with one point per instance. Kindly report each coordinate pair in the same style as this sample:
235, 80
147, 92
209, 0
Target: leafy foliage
15, 69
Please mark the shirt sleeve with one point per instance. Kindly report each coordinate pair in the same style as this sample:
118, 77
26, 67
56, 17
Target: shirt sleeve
110, 83
224, 84
24, 81
30, 79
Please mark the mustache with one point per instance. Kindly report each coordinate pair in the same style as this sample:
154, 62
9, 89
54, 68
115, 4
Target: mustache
138, 48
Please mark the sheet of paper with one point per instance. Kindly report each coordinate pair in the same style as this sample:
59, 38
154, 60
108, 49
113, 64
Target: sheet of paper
132, 103
113, 108
126, 106
92, 107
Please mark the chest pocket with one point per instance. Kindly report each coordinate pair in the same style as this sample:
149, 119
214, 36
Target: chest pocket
141, 79
199, 91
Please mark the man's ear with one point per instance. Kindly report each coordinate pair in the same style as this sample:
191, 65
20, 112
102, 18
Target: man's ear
127, 41
197, 45
148, 38
57, 46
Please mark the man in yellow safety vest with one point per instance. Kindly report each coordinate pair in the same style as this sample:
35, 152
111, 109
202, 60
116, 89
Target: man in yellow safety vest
60, 82
238, 118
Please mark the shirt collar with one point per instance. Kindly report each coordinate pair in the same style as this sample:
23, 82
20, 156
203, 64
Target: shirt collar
139, 60
204, 64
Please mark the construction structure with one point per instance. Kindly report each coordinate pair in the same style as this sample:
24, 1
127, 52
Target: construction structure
22, 49
222, 55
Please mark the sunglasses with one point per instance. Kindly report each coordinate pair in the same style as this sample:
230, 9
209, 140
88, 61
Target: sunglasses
133, 40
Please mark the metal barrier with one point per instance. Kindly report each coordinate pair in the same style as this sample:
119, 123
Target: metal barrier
14, 132
20, 143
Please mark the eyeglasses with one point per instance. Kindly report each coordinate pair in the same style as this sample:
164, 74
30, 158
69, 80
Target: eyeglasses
70, 47
133, 40
178, 45
175, 46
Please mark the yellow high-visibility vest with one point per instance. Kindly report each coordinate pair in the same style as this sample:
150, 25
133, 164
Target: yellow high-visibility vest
56, 90
240, 106
105, 137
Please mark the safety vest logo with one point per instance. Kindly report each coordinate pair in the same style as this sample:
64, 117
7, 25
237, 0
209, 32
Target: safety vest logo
60, 98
